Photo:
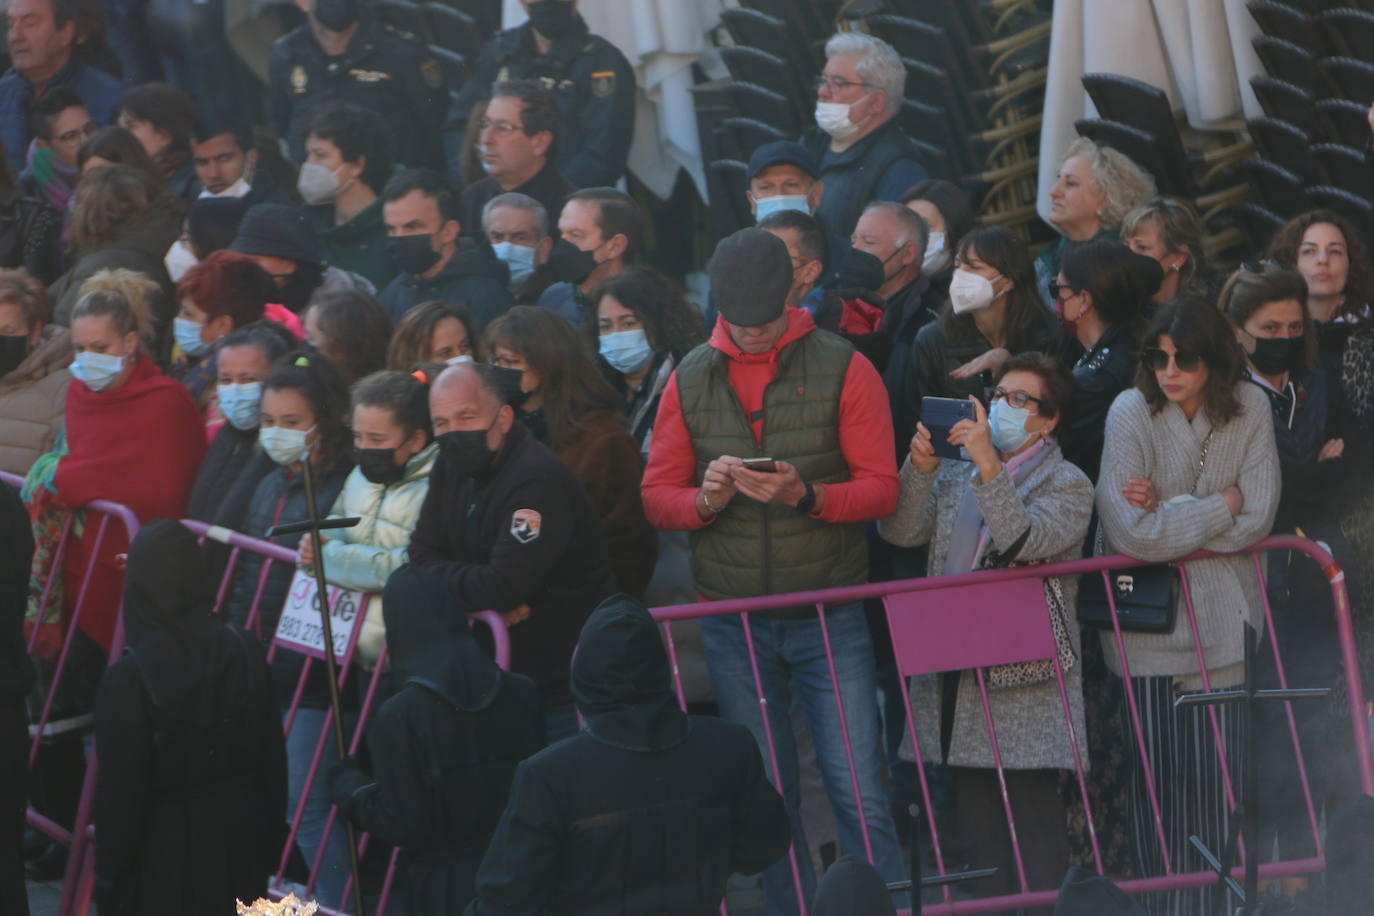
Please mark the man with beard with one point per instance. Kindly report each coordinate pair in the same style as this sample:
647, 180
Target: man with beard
279, 237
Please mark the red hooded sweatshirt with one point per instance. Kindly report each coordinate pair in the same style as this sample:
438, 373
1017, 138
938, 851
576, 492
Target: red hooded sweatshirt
670, 481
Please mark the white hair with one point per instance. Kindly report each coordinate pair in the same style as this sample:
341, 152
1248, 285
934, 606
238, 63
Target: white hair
879, 64
519, 202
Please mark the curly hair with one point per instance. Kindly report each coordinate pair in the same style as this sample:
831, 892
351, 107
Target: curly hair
1196, 326
413, 342
314, 378
228, 283
1122, 184
17, 287
1359, 282
670, 322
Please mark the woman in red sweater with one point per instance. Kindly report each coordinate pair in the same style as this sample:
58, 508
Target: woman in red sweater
133, 437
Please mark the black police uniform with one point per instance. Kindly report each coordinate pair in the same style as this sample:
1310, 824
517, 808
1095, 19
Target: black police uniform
590, 80
390, 72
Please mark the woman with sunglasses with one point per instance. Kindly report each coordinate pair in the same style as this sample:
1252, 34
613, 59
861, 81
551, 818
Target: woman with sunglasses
1020, 501
1188, 464
1267, 309
1100, 297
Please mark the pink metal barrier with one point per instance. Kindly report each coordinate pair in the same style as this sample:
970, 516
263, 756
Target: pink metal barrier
958, 622
99, 515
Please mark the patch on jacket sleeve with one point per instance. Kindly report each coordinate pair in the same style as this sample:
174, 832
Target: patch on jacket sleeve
524, 525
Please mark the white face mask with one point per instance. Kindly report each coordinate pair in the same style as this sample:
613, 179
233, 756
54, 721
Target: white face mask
936, 257
178, 260
285, 446
319, 185
458, 360
833, 118
971, 292
237, 189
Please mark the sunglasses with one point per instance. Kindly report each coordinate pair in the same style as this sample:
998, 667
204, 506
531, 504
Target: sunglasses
1061, 290
1158, 360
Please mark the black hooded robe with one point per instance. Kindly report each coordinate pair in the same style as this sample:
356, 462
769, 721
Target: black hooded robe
190, 803
647, 810
444, 749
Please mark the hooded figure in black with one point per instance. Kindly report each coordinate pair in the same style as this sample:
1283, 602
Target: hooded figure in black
190, 804
852, 887
444, 749
647, 810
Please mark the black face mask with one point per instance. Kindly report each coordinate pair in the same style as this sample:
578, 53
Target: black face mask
862, 270
466, 451
569, 263
336, 15
412, 254
13, 349
552, 18
537, 422
1277, 355
379, 465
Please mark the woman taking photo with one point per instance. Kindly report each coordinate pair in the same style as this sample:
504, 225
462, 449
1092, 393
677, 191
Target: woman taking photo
642, 327
393, 452
993, 312
433, 332
569, 407
1020, 501
1100, 297
1266, 308
1188, 464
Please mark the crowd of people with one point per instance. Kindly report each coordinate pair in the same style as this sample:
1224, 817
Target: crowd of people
432, 301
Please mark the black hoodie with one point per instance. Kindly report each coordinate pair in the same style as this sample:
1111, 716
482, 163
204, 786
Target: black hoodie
474, 276
444, 749
648, 810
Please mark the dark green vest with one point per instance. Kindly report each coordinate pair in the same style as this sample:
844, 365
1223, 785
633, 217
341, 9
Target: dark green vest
753, 549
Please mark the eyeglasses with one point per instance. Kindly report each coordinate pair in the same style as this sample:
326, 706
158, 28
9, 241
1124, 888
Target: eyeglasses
502, 128
76, 134
1056, 289
1158, 360
836, 84
1015, 398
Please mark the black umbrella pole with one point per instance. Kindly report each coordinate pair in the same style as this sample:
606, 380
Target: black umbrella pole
331, 667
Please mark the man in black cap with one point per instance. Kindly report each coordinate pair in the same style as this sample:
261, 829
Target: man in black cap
783, 176
280, 238
647, 810
590, 79
342, 54
508, 528
770, 385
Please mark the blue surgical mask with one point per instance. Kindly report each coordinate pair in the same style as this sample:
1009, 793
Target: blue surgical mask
769, 205
1007, 424
626, 351
187, 334
284, 446
96, 370
241, 404
519, 258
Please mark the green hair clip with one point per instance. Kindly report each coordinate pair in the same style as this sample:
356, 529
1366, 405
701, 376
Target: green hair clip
303, 361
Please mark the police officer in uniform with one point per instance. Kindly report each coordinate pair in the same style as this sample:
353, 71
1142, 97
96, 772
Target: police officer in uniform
590, 79
338, 54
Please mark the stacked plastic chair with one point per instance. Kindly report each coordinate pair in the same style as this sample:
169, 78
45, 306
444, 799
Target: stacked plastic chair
454, 29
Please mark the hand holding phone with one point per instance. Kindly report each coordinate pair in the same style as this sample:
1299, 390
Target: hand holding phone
766, 465
939, 416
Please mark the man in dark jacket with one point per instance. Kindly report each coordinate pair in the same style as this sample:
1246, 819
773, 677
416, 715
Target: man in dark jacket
591, 80
509, 528
420, 210
16, 675
647, 810
444, 749
863, 154
190, 804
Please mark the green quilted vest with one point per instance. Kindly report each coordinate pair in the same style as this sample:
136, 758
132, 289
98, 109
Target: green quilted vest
753, 549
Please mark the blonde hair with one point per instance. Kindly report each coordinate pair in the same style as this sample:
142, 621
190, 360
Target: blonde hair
125, 296
1179, 228
1122, 184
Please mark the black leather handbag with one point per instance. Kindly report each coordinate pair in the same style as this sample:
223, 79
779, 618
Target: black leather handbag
1146, 599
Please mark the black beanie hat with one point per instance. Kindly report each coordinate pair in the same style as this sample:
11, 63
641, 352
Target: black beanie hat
278, 231
751, 275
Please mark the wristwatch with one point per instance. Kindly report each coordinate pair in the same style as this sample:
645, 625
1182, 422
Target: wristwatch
807, 503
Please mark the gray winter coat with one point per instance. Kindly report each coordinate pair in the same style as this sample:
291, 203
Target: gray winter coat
1054, 502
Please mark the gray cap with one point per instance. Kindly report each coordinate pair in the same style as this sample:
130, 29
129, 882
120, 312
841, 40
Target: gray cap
751, 275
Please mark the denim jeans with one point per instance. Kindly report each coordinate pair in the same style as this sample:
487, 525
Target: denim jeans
300, 750
791, 658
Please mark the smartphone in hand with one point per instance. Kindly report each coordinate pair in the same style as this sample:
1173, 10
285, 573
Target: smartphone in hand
939, 415
767, 465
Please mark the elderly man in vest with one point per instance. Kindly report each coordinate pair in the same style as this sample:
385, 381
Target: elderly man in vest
862, 152
769, 384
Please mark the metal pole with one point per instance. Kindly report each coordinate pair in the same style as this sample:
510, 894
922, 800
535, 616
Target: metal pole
331, 666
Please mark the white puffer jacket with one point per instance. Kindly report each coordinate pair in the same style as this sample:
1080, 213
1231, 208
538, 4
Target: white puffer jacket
364, 556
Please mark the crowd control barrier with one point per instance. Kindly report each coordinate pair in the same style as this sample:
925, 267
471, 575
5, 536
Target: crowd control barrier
959, 622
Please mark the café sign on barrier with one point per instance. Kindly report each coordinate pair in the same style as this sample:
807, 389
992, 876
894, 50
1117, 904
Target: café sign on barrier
299, 626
